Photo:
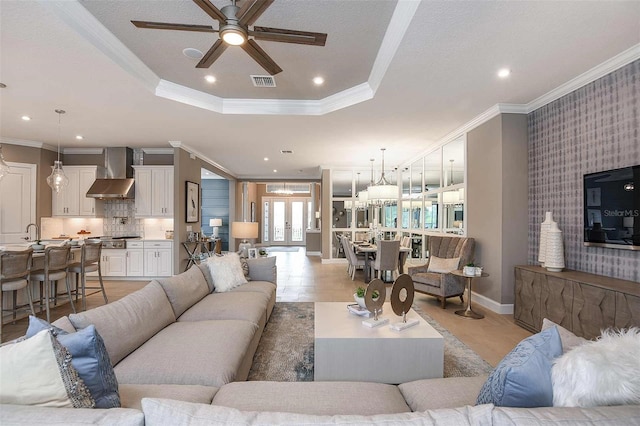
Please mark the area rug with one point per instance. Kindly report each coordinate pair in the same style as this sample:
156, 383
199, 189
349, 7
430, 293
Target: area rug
285, 352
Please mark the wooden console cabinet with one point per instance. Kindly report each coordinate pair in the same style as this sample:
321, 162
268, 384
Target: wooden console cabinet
581, 302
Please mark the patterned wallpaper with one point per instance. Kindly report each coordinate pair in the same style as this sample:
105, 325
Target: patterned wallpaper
591, 129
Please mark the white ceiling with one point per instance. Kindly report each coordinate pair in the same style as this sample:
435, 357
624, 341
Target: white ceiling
442, 75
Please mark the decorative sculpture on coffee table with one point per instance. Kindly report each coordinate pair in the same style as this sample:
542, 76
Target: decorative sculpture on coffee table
375, 305
402, 294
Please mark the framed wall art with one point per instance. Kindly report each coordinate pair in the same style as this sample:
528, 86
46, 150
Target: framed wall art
193, 202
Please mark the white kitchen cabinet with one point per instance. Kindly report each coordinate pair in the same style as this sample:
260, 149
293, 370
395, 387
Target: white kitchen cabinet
158, 258
135, 259
72, 200
114, 263
154, 191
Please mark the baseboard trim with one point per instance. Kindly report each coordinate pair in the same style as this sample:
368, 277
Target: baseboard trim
484, 301
314, 253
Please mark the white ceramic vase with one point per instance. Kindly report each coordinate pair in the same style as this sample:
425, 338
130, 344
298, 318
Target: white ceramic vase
554, 254
544, 227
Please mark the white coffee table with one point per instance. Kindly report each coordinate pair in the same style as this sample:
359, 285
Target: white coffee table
347, 350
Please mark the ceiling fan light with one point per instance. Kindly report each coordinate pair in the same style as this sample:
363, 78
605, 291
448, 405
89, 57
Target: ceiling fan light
233, 36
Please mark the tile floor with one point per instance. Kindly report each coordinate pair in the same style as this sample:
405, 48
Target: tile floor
304, 278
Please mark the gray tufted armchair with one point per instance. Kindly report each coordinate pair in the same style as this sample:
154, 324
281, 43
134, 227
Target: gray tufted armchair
441, 285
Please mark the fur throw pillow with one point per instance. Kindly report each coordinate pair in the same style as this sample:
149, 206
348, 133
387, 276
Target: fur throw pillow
603, 372
226, 272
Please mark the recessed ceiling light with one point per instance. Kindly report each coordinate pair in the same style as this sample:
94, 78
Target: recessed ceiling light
504, 72
26, 118
275, 171
210, 78
318, 81
79, 137
266, 158
192, 53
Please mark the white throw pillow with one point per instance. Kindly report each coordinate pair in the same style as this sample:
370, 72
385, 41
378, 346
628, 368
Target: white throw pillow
442, 265
38, 371
226, 272
604, 372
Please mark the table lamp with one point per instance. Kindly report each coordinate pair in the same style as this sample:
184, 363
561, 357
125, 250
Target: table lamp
215, 223
244, 230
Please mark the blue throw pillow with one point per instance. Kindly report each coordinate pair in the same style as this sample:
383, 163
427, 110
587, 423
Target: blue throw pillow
523, 377
89, 357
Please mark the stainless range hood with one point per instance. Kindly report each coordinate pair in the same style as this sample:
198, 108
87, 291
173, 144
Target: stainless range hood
119, 181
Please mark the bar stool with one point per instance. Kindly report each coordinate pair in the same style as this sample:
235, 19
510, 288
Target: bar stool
89, 262
56, 264
15, 267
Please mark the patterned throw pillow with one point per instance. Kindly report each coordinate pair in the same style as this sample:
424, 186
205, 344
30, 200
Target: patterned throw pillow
39, 371
523, 377
245, 268
89, 358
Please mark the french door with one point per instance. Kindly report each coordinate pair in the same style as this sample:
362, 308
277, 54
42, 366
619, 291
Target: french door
285, 220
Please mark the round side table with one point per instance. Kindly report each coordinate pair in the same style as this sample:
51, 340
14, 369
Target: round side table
468, 312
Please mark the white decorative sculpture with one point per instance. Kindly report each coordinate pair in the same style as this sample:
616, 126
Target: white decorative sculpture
554, 254
544, 227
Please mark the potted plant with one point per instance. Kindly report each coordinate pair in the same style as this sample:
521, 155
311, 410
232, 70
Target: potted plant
469, 269
37, 245
358, 296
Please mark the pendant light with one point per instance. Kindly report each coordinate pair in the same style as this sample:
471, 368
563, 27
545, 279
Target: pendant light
4, 167
58, 180
383, 191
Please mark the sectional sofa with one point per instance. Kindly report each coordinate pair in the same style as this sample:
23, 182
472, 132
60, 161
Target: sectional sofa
182, 352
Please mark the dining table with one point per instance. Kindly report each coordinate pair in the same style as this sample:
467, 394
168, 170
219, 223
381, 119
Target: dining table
368, 249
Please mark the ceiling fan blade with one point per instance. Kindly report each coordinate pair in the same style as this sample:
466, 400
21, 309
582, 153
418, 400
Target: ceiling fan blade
169, 26
211, 10
261, 57
212, 54
288, 36
251, 10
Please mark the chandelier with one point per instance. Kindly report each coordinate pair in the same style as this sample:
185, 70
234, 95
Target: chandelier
58, 180
383, 191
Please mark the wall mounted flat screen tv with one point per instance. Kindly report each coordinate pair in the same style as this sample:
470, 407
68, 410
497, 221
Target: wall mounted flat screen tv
612, 208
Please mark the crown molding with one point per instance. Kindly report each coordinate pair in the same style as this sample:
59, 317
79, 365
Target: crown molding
608, 66
92, 30
398, 25
186, 95
190, 150
28, 143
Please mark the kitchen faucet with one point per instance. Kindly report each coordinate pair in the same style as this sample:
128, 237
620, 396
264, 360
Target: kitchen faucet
37, 231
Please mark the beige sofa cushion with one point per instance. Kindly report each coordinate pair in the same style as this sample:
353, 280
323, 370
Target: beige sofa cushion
321, 398
157, 411
450, 392
131, 395
568, 416
207, 353
64, 324
25, 415
127, 323
247, 306
265, 287
185, 289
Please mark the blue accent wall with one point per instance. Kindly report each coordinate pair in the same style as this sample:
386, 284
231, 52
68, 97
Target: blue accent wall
215, 204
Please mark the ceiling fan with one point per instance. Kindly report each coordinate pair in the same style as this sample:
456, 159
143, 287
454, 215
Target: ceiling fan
234, 30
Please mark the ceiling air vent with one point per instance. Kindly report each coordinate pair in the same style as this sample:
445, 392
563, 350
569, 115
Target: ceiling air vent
263, 81
286, 151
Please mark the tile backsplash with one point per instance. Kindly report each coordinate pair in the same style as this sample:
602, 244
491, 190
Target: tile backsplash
120, 220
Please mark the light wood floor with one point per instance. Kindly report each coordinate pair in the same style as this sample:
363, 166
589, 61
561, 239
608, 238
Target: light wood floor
304, 278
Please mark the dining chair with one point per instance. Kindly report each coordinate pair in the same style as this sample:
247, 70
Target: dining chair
56, 267
15, 267
387, 256
89, 262
355, 261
